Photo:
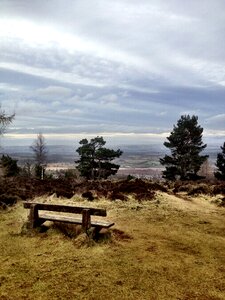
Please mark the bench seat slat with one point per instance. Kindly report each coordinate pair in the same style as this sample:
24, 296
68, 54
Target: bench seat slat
73, 220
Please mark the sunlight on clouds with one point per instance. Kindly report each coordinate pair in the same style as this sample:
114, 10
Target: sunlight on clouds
213, 133
45, 36
71, 136
35, 35
211, 71
9, 87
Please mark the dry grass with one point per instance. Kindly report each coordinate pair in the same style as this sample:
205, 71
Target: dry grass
169, 248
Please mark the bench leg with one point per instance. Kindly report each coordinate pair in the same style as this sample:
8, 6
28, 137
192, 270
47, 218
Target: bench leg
33, 220
86, 220
96, 232
93, 232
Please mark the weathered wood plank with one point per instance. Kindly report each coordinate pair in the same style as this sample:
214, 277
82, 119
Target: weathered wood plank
66, 208
73, 220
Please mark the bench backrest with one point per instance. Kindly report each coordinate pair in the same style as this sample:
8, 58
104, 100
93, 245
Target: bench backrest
66, 208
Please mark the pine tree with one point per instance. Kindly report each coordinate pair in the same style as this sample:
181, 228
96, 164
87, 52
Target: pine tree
220, 164
185, 144
95, 160
9, 165
5, 120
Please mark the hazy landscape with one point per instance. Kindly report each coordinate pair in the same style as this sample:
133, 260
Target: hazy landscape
136, 160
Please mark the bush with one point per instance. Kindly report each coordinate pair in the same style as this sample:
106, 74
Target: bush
9, 165
222, 203
88, 195
9, 200
218, 189
202, 188
183, 187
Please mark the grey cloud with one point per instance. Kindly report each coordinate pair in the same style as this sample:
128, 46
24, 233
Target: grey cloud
216, 122
126, 66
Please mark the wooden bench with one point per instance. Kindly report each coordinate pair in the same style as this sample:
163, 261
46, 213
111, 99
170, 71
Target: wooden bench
35, 220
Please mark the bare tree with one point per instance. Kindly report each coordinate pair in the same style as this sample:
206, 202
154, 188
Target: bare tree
206, 170
39, 148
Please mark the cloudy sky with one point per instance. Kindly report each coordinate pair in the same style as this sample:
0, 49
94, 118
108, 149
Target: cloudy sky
124, 69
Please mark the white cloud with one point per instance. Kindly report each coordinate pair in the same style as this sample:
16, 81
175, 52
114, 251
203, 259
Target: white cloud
35, 35
215, 133
47, 73
9, 87
72, 136
56, 103
70, 112
54, 91
109, 99
29, 107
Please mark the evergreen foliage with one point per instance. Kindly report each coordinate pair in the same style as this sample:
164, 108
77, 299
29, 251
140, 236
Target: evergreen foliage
9, 165
5, 120
95, 160
185, 144
220, 164
27, 169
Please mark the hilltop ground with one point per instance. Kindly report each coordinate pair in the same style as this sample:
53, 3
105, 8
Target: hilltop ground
171, 246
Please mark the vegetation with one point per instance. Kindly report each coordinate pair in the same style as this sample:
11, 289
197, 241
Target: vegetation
39, 148
220, 164
167, 248
95, 159
9, 166
28, 188
185, 144
5, 120
27, 169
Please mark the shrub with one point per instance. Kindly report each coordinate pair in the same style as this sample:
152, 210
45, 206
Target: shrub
9, 200
202, 188
218, 189
88, 195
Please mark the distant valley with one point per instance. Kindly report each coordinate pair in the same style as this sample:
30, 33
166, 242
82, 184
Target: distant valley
136, 159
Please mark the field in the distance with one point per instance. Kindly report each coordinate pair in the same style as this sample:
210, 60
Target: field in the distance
172, 247
137, 160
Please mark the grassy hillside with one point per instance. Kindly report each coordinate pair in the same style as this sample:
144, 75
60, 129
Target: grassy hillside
172, 247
